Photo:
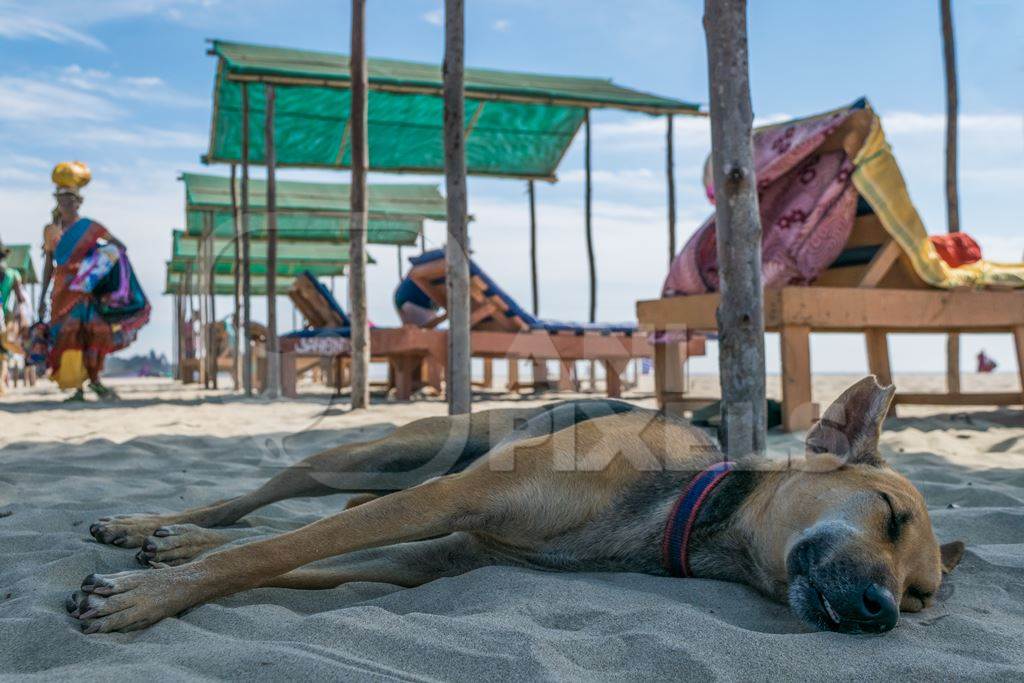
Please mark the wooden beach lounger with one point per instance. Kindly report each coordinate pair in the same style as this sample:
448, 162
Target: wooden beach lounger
325, 343
887, 278
501, 328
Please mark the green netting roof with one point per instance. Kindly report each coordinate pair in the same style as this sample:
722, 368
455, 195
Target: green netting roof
517, 124
186, 248
259, 268
316, 211
223, 285
20, 259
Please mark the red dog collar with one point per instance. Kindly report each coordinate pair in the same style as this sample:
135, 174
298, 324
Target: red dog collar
684, 513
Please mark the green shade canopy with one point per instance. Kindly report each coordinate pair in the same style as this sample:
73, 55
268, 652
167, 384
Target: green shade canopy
186, 248
258, 269
20, 259
517, 124
315, 211
224, 285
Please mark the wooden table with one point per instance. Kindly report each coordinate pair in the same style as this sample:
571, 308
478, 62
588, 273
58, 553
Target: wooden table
795, 312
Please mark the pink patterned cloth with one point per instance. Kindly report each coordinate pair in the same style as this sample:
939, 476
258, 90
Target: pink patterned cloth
807, 203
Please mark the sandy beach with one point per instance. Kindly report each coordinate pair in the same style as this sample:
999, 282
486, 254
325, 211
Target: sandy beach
166, 447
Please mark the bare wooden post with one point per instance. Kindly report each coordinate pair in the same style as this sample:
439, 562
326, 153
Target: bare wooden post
457, 250
952, 191
741, 313
588, 218
533, 247
670, 174
540, 367
246, 266
588, 213
357, 222
273, 386
211, 301
236, 323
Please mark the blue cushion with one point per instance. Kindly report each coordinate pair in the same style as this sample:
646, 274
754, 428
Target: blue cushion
328, 297
581, 328
409, 292
318, 332
514, 309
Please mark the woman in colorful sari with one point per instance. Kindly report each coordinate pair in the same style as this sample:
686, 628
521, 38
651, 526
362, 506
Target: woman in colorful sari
13, 318
80, 338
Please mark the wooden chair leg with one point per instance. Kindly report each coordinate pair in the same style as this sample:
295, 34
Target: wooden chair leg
797, 408
1018, 342
540, 375
668, 373
565, 379
878, 359
488, 374
613, 377
513, 374
953, 363
289, 376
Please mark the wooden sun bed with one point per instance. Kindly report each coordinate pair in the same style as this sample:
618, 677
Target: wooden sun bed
326, 345
876, 297
502, 329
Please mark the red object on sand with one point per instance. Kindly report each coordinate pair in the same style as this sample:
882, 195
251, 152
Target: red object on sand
956, 248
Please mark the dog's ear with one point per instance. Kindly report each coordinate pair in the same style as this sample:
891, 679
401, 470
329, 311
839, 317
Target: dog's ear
951, 554
852, 424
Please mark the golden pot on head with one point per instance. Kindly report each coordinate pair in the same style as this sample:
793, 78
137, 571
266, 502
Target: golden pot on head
71, 174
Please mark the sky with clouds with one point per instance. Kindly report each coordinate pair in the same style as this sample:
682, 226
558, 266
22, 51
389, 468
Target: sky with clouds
125, 85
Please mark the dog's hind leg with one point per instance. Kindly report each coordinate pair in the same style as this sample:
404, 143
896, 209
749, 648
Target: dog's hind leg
405, 564
408, 456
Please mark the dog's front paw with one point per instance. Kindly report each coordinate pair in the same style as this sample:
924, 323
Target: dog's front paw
176, 544
129, 600
127, 531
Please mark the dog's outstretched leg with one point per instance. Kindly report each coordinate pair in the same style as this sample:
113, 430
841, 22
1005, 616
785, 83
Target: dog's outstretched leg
405, 564
135, 599
408, 456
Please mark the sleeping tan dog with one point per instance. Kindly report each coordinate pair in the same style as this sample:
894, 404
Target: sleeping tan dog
577, 486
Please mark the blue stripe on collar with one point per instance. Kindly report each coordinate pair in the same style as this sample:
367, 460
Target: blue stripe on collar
684, 513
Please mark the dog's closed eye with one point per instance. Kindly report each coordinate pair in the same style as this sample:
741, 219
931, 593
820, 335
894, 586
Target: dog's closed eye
896, 520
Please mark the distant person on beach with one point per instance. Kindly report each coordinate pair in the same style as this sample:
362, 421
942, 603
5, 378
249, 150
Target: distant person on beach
96, 305
985, 364
14, 316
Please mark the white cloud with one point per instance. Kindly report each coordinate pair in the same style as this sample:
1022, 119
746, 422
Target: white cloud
39, 101
501, 25
141, 137
65, 21
14, 24
913, 122
435, 17
150, 89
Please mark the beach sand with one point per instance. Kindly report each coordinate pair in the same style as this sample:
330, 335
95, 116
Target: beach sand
166, 447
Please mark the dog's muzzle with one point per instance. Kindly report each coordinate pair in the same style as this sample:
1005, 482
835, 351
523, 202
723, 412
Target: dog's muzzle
830, 590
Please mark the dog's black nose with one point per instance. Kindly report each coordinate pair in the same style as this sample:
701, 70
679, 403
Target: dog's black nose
878, 608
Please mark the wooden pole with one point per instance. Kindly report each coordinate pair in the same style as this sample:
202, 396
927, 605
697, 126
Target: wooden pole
360, 336
738, 224
540, 367
587, 209
952, 191
246, 265
211, 303
236, 316
533, 247
273, 382
457, 250
670, 174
